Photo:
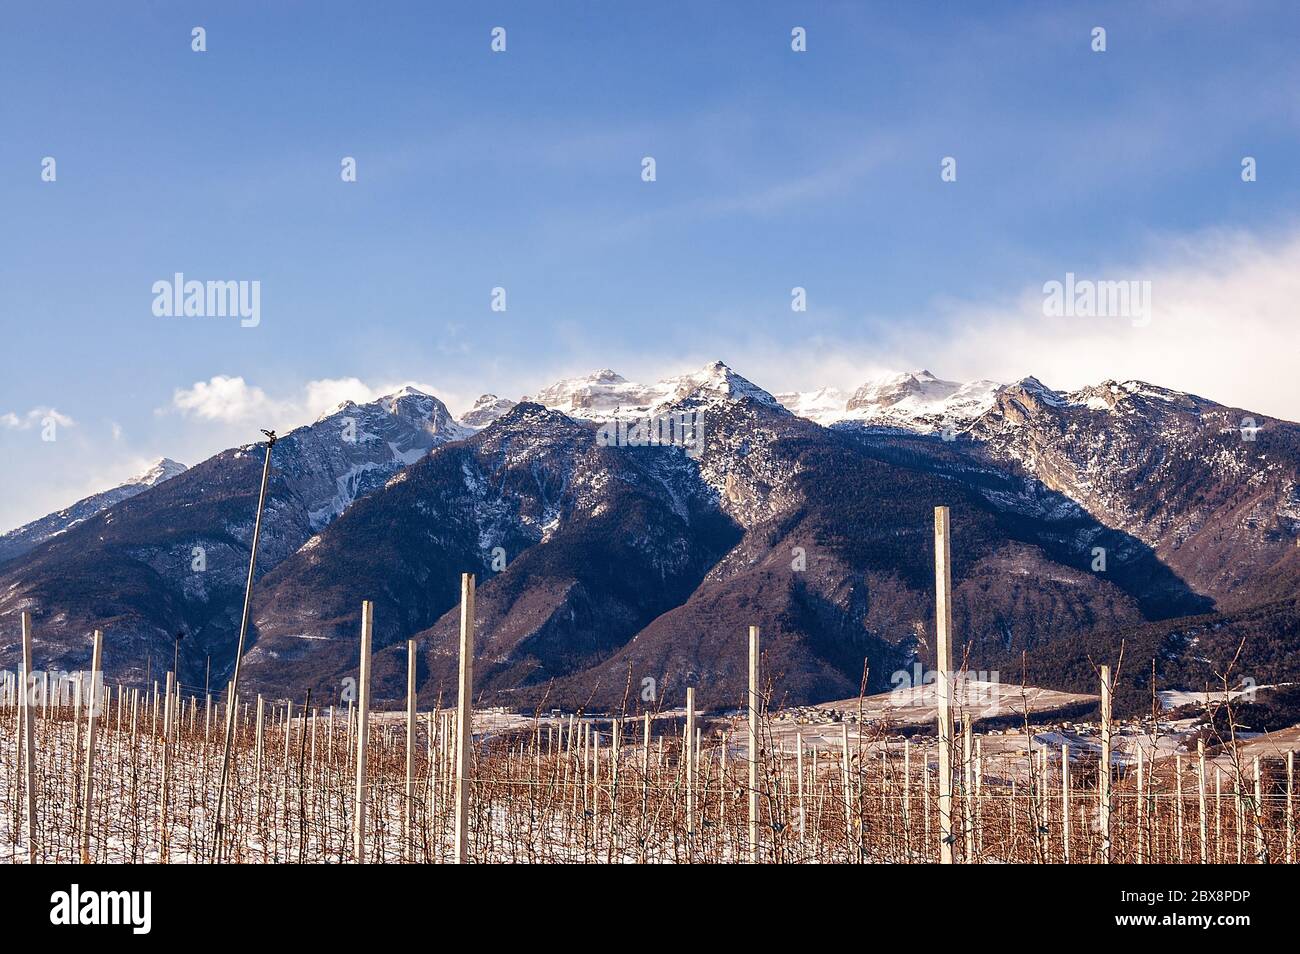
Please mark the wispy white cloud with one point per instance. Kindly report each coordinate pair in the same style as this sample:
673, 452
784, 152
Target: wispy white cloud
222, 398
758, 196
36, 417
1222, 325
231, 400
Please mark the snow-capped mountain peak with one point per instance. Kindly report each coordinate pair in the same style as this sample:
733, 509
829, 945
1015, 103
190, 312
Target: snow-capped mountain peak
357, 447
164, 468
824, 405
486, 409
920, 386
1113, 396
22, 539
716, 379
598, 394
413, 407
910, 400
916, 395
407, 391
604, 394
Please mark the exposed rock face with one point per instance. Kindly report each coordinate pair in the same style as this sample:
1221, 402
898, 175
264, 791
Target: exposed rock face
632, 563
1211, 489
577, 547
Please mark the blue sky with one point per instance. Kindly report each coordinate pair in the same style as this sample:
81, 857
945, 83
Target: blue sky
522, 169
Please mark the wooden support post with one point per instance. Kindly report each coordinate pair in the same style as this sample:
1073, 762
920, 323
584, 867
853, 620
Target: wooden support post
968, 786
689, 752
74, 794
464, 716
363, 733
615, 749
433, 756
979, 791
1178, 808
847, 779
169, 710
164, 790
943, 684
907, 798
645, 785
753, 745
29, 743
803, 811
1219, 845
594, 751
1200, 799
1065, 803
1290, 807
259, 755
1261, 847
1240, 806
284, 774
309, 719
1141, 806
88, 797
1043, 798
1103, 775
408, 806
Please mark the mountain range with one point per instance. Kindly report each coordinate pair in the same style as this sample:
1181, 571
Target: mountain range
27, 537
616, 575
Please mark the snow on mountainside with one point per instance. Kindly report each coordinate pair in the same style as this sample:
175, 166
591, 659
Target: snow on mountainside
644, 557
825, 405
164, 468
914, 400
574, 517
918, 398
606, 394
1212, 489
911, 401
595, 395
486, 409
357, 447
19, 541
175, 557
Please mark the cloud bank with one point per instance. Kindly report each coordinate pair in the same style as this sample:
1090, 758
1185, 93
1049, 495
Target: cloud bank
226, 399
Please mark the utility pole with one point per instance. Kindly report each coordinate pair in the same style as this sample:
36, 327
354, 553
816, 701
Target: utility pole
233, 704
87, 801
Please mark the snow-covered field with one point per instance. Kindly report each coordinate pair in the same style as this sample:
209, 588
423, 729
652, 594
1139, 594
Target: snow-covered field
563, 789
